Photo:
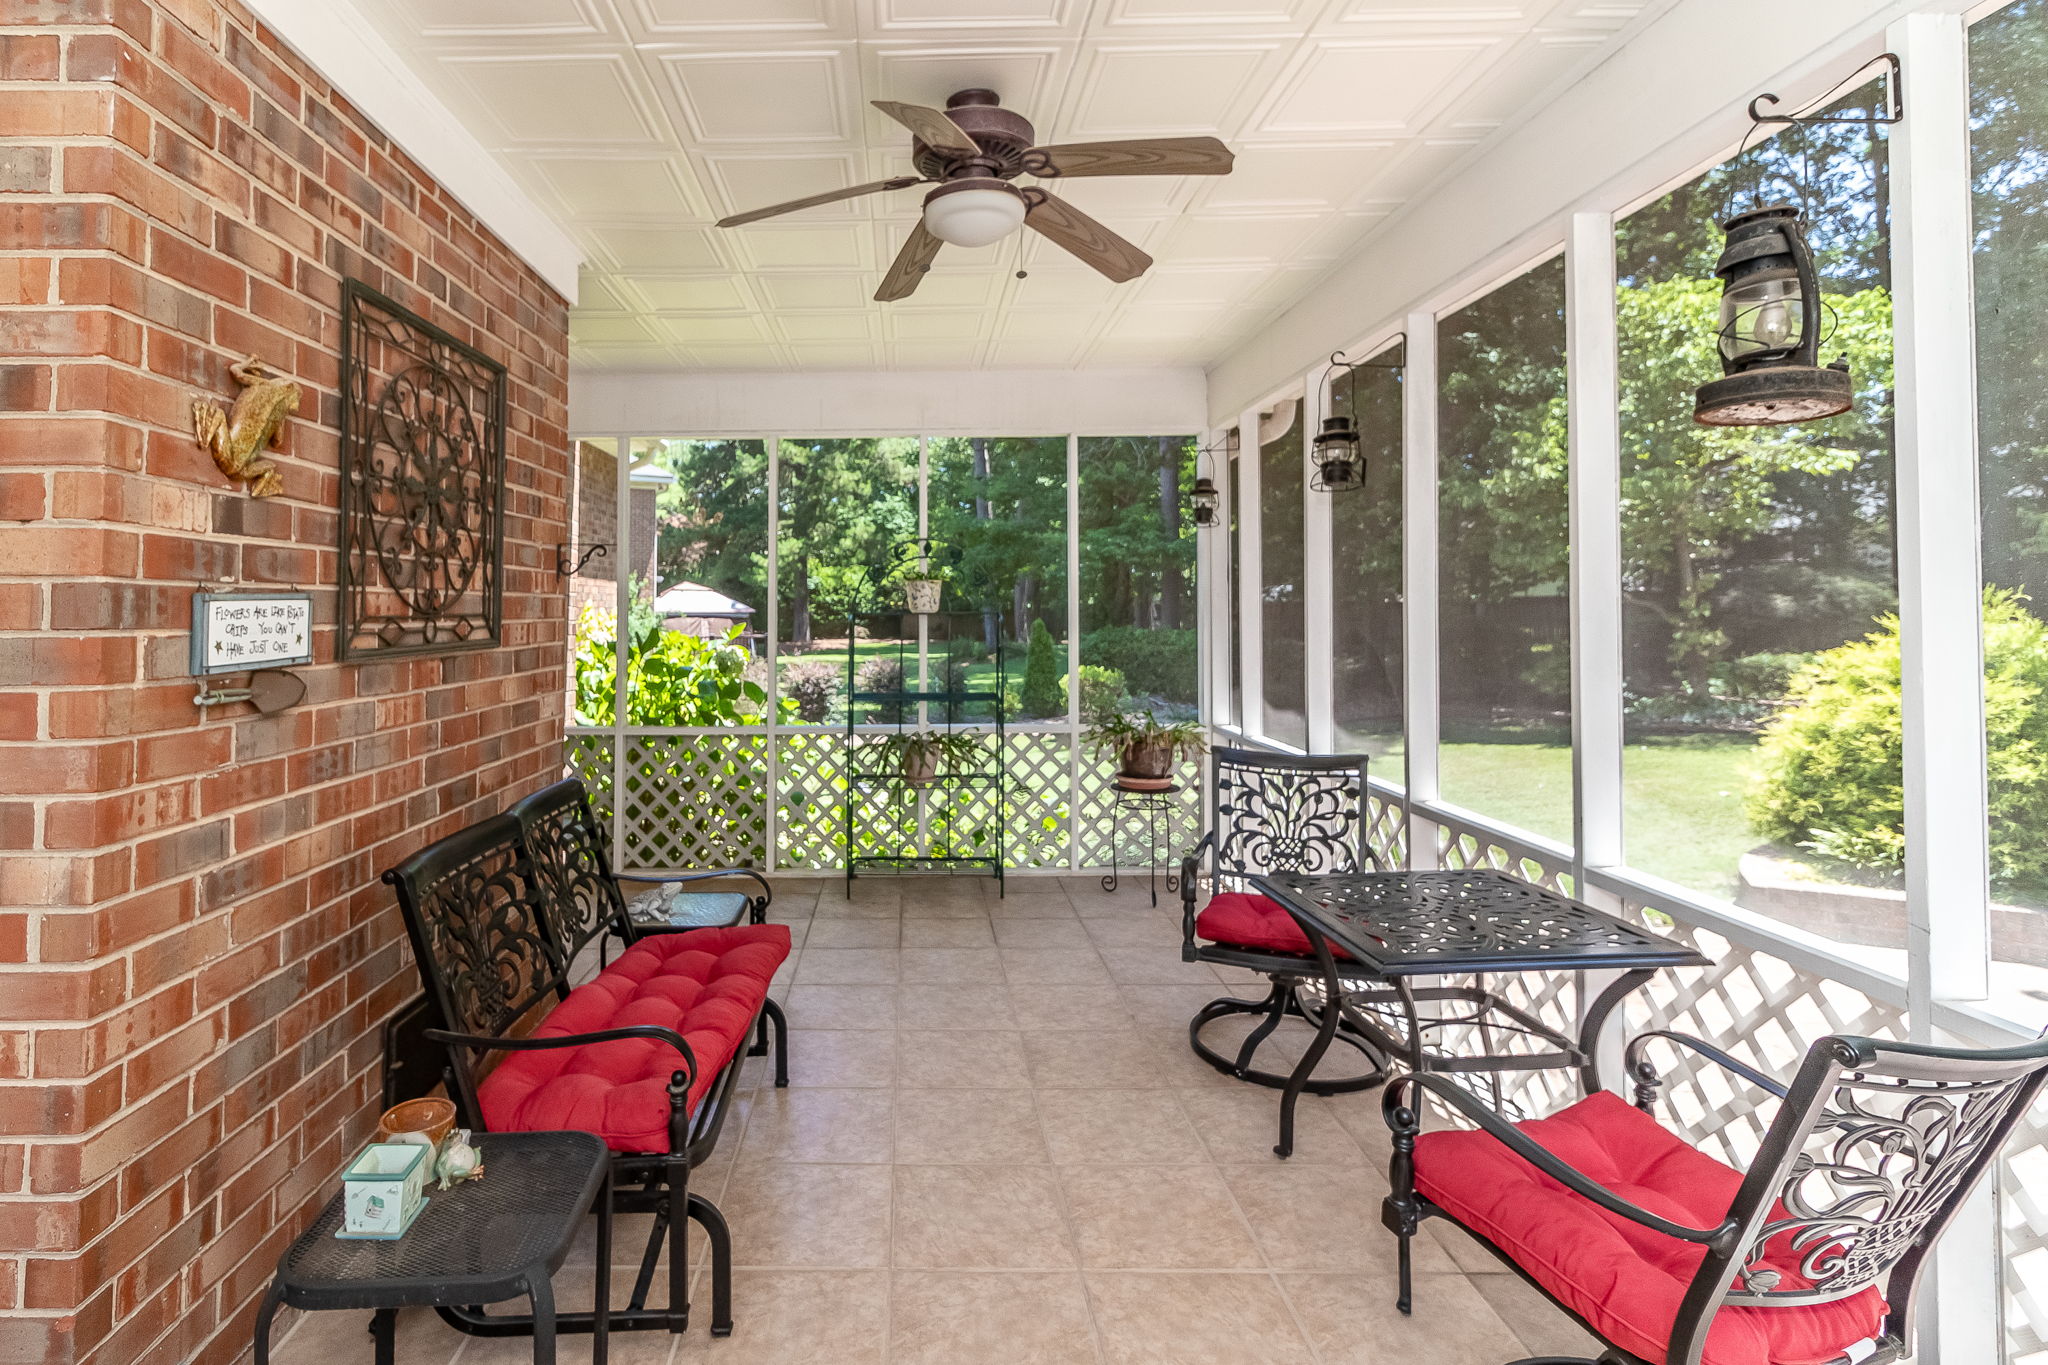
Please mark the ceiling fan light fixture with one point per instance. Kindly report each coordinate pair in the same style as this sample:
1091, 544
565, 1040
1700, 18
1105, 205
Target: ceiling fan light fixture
973, 211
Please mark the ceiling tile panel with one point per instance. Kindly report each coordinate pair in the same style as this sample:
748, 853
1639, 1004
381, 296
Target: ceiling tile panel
774, 97
538, 101
640, 122
700, 18
1167, 90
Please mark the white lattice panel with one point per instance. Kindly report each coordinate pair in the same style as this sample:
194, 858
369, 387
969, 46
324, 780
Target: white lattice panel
693, 801
2023, 1214
589, 759
1386, 829
1039, 798
810, 825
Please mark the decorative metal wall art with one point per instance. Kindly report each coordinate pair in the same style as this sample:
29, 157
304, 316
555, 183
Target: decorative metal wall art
234, 437
422, 485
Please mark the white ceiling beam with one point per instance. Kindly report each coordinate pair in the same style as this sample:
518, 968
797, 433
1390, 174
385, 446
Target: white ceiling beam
335, 39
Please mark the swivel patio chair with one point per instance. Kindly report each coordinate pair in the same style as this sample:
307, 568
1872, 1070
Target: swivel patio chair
1273, 813
1668, 1256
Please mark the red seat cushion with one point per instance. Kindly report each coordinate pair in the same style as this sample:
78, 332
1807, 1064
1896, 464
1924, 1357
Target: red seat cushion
706, 984
1243, 920
1624, 1279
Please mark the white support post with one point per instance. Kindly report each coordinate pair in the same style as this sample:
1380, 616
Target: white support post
622, 592
1074, 649
1593, 414
772, 734
1318, 583
1940, 578
1212, 585
1593, 411
1419, 659
1251, 597
1948, 931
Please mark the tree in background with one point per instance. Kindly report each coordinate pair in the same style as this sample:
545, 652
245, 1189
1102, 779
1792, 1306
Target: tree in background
846, 504
999, 507
714, 518
1137, 545
1043, 673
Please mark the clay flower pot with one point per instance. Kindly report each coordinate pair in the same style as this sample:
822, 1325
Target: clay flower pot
920, 766
1147, 760
433, 1119
921, 595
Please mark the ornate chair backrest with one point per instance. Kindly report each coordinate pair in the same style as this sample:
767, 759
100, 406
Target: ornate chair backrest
567, 848
480, 930
1874, 1148
1287, 813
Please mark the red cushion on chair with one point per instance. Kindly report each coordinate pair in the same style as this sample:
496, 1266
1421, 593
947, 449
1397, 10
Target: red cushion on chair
1624, 1279
706, 984
1243, 920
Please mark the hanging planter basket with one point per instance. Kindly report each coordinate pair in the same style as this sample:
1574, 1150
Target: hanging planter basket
921, 595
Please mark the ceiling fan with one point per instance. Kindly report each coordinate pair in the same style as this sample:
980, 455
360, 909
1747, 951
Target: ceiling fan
972, 150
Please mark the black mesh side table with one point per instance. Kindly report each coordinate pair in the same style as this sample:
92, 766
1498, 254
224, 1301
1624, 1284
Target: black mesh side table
498, 1238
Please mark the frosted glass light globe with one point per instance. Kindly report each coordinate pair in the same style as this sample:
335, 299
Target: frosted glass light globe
975, 213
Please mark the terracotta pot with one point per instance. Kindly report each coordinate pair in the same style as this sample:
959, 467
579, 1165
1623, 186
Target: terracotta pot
1148, 758
922, 594
920, 766
432, 1118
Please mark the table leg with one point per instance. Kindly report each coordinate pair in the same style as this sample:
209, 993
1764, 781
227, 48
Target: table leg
384, 1331
601, 1319
264, 1315
541, 1291
1596, 1020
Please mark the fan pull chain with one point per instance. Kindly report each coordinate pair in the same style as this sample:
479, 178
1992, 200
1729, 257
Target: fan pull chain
1021, 271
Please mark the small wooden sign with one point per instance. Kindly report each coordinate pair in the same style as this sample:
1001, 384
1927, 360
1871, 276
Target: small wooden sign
233, 632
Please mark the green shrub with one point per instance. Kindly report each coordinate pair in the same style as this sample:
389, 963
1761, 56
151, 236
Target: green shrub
883, 673
1159, 663
1829, 765
1043, 673
672, 678
810, 686
1102, 692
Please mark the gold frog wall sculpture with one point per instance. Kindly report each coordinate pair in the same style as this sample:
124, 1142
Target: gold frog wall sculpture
235, 438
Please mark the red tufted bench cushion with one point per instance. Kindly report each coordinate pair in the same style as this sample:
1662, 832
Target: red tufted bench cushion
1243, 920
1624, 1279
706, 984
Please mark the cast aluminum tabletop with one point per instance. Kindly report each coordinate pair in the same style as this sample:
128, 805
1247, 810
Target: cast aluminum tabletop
1476, 920
1394, 927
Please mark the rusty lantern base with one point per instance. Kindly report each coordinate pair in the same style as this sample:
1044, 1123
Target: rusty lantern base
1773, 396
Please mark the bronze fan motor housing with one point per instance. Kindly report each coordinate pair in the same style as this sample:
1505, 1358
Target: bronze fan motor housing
976, 144
1003, 136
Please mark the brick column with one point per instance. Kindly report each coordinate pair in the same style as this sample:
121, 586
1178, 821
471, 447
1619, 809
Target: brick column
195, 954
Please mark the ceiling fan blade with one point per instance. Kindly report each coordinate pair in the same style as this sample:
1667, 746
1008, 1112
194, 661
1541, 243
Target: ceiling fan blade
933, 128
1135, 156
1088, 239
907, 271
901, 182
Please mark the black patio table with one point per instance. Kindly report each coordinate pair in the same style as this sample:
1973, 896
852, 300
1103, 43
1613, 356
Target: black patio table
1396, 926
483, 1242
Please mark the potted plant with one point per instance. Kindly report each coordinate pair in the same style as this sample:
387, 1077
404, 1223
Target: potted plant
920, 755
924, 583
1146, 747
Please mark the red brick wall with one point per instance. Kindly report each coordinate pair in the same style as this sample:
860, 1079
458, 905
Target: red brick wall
195, 953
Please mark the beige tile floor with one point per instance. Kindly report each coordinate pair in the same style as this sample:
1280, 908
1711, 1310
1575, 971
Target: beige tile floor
997, 1147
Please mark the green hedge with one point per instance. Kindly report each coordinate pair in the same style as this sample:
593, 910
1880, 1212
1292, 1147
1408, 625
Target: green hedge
1159, 663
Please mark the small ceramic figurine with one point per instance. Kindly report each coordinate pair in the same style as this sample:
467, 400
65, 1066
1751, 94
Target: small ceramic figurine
234, 438
459, 1160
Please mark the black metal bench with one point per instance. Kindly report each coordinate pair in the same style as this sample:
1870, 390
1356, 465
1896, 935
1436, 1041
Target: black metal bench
499, 913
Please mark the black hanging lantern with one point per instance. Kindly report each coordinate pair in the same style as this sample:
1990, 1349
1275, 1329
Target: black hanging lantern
1203, 502
1770, 329
1339, 467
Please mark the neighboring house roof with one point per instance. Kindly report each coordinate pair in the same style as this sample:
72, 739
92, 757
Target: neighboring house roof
694, 599
648, 476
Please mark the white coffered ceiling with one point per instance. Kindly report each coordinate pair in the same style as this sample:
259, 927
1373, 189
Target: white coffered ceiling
640, 122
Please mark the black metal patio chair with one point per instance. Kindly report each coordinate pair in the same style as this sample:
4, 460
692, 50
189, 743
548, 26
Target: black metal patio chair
1273, 813
1668, 1256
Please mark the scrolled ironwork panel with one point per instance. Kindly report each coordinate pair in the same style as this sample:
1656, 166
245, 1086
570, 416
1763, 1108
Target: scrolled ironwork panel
489, 943
1280, 816
422, 519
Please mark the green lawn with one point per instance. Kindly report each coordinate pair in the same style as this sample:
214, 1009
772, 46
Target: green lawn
1683, 794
